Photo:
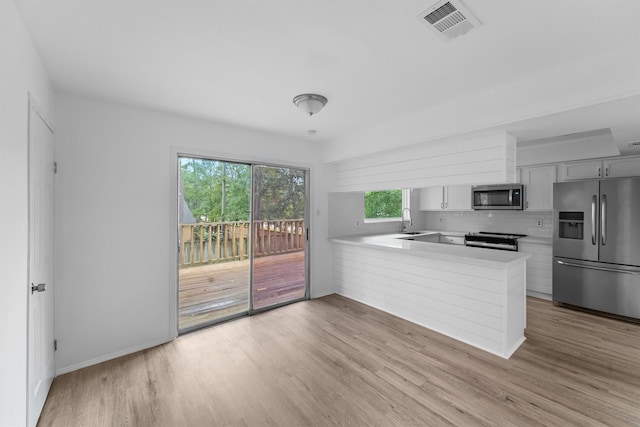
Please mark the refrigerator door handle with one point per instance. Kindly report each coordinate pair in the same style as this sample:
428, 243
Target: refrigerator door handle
613, 270
594, 208
603, 220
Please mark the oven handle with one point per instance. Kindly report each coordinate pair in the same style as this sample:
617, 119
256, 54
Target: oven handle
492, 245
591, 267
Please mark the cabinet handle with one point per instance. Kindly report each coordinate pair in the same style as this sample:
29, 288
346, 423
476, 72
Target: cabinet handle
606, 172
446, 205
527, 204
599, 174
441, 205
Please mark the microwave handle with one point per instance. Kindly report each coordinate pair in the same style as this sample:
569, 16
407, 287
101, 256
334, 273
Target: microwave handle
510, 197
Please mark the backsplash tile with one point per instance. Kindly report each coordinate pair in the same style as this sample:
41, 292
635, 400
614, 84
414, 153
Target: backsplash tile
520, 222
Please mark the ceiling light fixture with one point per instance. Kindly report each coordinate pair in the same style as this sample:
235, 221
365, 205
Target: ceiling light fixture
310, 103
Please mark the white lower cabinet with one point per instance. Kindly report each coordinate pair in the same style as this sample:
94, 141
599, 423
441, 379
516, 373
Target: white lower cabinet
539, 268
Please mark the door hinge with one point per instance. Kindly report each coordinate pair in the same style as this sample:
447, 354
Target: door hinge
55, 167
55, 345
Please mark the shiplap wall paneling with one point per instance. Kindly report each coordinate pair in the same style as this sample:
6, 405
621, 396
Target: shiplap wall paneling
516, 303
488, 159
467, 302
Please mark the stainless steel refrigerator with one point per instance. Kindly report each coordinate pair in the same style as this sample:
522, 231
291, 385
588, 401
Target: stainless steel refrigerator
596, 245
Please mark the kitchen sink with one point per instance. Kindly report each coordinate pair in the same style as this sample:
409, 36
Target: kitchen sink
437, 238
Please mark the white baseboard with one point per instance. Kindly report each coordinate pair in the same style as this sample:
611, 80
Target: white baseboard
323, 293
539, 295
130, 350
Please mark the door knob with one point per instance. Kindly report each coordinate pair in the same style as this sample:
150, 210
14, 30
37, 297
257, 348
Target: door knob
40, 287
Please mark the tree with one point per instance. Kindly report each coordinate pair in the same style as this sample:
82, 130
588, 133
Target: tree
383, 204
218, 191
280, 193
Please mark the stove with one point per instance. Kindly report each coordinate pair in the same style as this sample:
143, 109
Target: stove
490, 240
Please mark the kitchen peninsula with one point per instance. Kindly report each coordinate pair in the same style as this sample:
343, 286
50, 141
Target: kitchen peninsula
477, 296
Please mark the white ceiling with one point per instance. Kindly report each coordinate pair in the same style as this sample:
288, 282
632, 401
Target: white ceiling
241, 62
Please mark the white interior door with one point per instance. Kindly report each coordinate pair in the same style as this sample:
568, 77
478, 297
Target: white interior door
40, 286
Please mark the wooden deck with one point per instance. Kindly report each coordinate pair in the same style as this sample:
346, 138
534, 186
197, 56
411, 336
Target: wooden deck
215, 291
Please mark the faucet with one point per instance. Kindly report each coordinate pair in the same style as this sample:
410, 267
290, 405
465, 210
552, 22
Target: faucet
403, 224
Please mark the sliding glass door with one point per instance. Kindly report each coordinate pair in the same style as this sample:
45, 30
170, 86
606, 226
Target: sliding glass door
279, 228
214, 202
233, 261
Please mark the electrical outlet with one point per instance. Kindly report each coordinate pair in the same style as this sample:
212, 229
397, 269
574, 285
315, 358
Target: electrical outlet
538, 223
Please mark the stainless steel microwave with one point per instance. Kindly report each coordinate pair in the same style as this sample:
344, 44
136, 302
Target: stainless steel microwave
501, 196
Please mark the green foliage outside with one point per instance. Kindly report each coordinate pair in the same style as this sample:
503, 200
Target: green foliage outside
221, 191
203, 182
383, 204
281, 193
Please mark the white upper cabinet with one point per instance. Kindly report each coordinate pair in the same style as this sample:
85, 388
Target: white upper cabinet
432, 199
538, 187
594, 169
580, 170
453, 198
618, 168
457, 198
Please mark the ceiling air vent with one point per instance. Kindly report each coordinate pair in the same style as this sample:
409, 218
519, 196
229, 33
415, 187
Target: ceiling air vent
449, 18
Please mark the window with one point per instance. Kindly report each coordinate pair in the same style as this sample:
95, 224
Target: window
386, 205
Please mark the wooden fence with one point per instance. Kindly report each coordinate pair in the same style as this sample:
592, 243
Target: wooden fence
214, 242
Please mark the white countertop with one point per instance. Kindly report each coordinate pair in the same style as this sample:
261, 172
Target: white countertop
538, 240
442, 251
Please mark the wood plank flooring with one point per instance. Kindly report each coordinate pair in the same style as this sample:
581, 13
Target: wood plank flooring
334, 362
214, 291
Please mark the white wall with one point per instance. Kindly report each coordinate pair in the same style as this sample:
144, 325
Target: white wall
520, 222
346, 216
21, 72
115, 220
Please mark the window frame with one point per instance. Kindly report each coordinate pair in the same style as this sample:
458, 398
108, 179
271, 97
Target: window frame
406, 204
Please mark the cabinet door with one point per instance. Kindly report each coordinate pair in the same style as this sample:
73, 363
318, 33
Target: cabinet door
432, 199
617, 168
538, 190
581, 170
539, 267
458, 198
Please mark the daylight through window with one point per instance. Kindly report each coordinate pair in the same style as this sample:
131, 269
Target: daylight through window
385, 205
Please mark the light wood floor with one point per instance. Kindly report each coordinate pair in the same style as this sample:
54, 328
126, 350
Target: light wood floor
332, 361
